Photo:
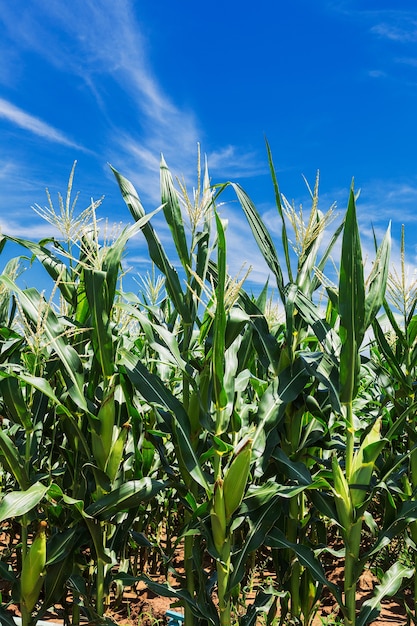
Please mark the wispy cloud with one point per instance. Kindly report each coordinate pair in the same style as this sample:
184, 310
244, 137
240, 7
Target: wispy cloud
411, 61
402, 29
34, 125
231, 161
93, 41
377, 74
395, 24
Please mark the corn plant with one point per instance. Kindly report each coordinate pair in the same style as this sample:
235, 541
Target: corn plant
395, 351
261, 431
292, 417
86, 406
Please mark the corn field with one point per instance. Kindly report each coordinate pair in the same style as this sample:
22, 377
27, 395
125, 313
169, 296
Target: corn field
195, 415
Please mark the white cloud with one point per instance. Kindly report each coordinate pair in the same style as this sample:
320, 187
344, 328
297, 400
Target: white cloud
235, 162
33, 124
101, 40
377, 74
404, 31
27, 229
411, 61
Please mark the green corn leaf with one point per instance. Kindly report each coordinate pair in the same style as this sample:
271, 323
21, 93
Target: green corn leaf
130, 195
259, 495
315, 281
389, 586
97, 292
15, 402
18, 503
96, 532
173, 216
284, 236
377, 280
13, 460
55, 580
294, 470
42, 385
205, 612
265, 338
261, 605
306, 556
154, 392
351, 304
156, 251
57, 270
385, 348
324, 503
61, 544
324, 369
392, 318
412, 328
280, 391
219, 332
405, 515
113, 255
311, 314
6, 618
159, 338
202, 255
6, 573
260, 522
130, 494
262, 299
32, 304
261, 234
290, 311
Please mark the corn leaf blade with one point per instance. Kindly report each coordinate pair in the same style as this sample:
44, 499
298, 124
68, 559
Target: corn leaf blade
18, 503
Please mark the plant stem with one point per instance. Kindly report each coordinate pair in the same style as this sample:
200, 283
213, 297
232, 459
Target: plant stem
352, 541
295, 567
223, 571
26, 615
189, 573
76, 613
100, 600
350, 439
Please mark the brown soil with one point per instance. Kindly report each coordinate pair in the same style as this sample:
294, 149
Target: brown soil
141, 607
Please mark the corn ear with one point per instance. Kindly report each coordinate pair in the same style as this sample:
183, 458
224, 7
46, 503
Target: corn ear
236, 479
116, 453
107, 416
33, 570
342, 495
102, 435
364, 462
218, 517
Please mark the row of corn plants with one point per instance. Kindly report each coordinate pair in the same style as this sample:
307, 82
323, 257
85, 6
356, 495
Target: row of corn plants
191, 416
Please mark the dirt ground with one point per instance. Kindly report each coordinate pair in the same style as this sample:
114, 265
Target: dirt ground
141, 607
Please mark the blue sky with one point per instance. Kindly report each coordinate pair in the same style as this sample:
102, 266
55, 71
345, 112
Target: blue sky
331, 84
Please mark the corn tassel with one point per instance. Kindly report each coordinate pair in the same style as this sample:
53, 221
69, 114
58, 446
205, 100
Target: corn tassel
236, 479
33, 570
